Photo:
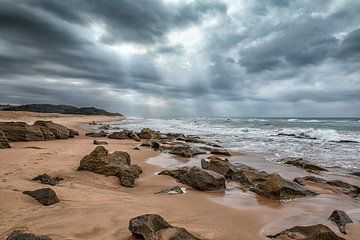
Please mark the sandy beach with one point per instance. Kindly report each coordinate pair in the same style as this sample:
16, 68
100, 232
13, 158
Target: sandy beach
93, 206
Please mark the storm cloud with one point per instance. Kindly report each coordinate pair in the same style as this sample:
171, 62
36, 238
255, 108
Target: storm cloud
184, 58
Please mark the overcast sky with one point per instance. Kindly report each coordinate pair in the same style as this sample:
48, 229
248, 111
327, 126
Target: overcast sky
184, 58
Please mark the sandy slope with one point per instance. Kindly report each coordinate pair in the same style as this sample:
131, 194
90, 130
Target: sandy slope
96, 207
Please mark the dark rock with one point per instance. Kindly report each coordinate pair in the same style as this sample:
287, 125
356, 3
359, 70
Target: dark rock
203, 180
154, 144
21, 132
59, 131
220, 151
134, 136
172, 190
105, 127
33, 147
92, 123
46, 179
302, 163
340, 218
356, 174
45, 196
175, 173
218, 165
344, 187
4, 142
145, 144
270, 185
136, 148
48, 135
115, 164
97, 142
99, 134
153, 227
315, 232
147, 133
20, 235
124, 134
73, 133
186, 151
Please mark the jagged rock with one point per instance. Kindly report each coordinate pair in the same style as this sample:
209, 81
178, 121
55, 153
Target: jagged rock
218, 165
302, 163
105, 127
172, 190
4, 142
21, 235
147, 133
315, 232
45, 196
185, 151
48, 135
99, 134
270, 185
97, 142
220, 151
46, 179
344, 187
203, 180
175, 173
154, 227
340, 218
124, 134
115, 164
21, 131
59, 131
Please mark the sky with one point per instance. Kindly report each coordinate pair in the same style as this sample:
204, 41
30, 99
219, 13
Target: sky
266, 58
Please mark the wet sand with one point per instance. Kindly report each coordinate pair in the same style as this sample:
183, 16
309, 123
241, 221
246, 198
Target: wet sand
93, 206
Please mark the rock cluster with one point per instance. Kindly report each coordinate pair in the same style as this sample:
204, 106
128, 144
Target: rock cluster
115, 164
45, 196
153, 227
147, 133
124, 134
46, 179
39, 131
21, 235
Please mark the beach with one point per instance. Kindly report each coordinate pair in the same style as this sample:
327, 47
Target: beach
93, 206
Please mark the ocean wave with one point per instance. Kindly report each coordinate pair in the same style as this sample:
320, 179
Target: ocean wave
305, 120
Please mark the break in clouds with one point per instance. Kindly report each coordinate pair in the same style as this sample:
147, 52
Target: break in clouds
184, 58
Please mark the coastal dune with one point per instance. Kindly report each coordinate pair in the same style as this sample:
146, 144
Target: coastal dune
93, 206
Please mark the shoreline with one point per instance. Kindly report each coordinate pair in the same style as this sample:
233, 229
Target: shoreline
96, 207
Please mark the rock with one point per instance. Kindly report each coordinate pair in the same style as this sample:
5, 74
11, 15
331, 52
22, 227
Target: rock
154, 144
154, 227
45, 196
301, 163
356, 174
220, 151
340, 218
46, 179
59, 131
21, 235
175, 173
48, 135
218, 165
124, 134
185, 151
147, 133
4, 142
115, 164
92, 123
97, 142
203, 180
99, 134
334, 185
172, 190
33, 147
315, 232
136, 148
271, 186
145, 144
73, 133
105, 127
21, 132
134, 136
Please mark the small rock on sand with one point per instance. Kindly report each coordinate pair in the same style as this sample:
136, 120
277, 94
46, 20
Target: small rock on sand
45, 196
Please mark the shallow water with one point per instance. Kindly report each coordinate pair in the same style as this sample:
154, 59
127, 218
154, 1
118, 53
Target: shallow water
314, 139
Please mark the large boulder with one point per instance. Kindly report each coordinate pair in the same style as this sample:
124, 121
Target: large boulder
115, 164
154, 227
21, 235
147, 133
185, 150
203, 180
45, 196
270, 185
315, 232
175, 173
59, 131
302, 163
334, 185
21, 132
4, 142
340, 218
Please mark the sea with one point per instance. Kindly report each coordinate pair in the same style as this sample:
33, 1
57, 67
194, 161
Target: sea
329, 142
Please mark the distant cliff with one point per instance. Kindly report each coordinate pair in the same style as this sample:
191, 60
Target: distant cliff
64, 109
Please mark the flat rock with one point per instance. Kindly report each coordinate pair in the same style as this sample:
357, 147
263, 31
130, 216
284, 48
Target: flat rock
185, 151
315, 232
154, 227
271, 186
115, 164
340, 218
46, 179
220, 151
124, 134
175, 173
98, 142
302, 163
98, 134
203, 180
45, 196
21, 235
